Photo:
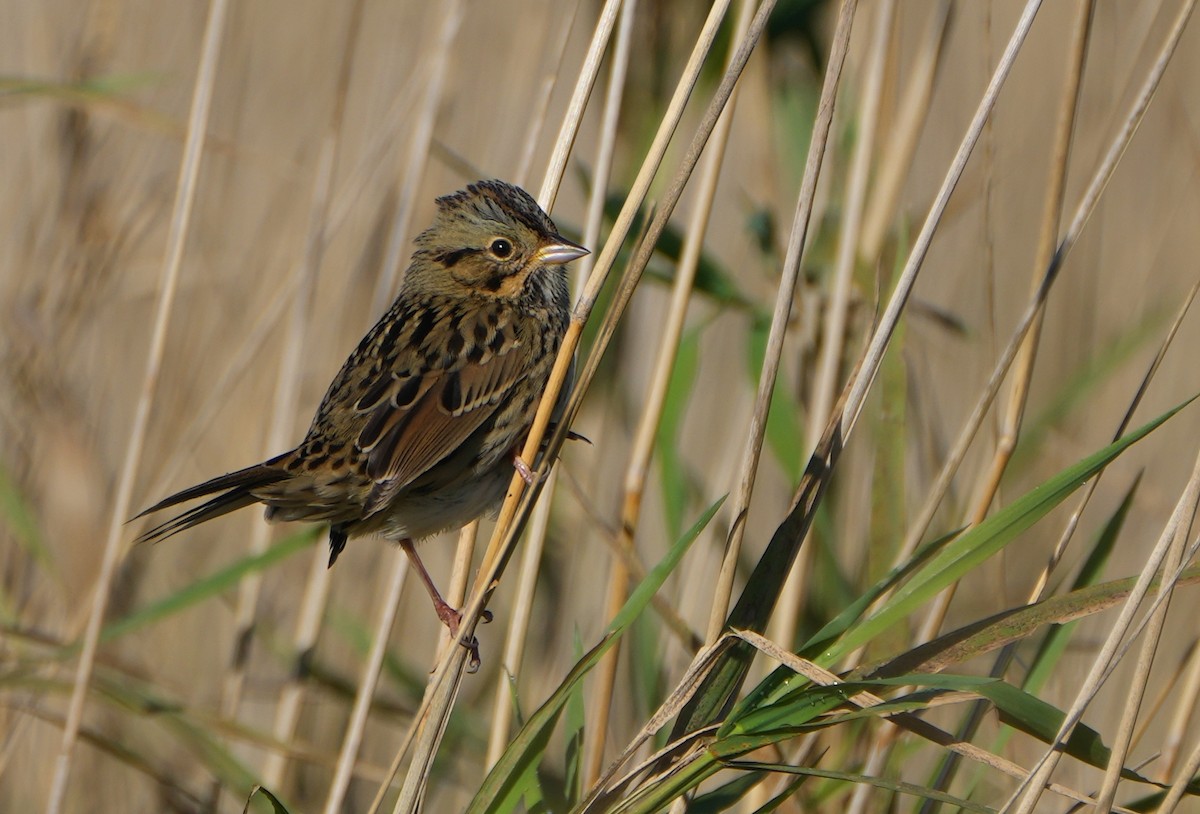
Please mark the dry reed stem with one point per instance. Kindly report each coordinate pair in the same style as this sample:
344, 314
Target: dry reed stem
1081, 215
1087, 204
286, 402
540, 521
189, 170
606, 145
518, 629
1025, 798
456, 590
418, 153
1185, 709
1136, 687
905, 720
538, 120
897, 151
437, 702
880, 339
443, 686
785, 620
836, 315
605, 673
556, 167
785, 294
1026, 795
514, 636
1179, 787
891, 315
357, 724
1053, 203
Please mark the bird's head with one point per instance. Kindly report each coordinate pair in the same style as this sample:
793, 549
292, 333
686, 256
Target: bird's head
492, 239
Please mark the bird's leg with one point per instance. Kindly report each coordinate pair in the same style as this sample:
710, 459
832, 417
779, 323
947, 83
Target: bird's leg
451, 617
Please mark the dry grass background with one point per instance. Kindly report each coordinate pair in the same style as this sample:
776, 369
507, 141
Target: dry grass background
93, 105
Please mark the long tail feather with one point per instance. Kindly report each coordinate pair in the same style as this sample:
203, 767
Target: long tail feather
237, 487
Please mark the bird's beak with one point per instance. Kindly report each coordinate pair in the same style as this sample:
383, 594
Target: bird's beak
559, 251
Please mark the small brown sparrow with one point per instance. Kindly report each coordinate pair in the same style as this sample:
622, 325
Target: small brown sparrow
421, 428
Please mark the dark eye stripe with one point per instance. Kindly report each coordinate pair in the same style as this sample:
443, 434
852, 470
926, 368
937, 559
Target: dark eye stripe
450, 259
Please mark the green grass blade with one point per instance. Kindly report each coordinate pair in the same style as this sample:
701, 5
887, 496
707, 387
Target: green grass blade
985, 540
276, 806
211, 585
517, 767
895, 786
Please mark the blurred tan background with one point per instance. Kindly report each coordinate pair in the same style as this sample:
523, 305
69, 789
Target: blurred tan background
93, 103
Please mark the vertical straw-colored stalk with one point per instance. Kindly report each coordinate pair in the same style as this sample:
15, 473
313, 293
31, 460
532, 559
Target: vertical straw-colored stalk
838, 307
540, 521
418, 151
1079, 219
1023, 377
605, 673
286, 402
1029, 791
1026, 796
185, 195
1027, 354
434, 711
897, 150
436, 704
875, 350
1185, 710
356, 726
1183, 779
465, 552
881, 338
785, 620
786, 292
1135, 688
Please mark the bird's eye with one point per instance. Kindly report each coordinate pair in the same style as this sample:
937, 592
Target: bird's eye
501, 248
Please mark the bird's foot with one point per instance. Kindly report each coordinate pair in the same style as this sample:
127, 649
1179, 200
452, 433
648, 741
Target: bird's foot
523, 470
452, 618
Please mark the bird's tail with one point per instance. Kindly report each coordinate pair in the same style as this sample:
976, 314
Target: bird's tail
237, 491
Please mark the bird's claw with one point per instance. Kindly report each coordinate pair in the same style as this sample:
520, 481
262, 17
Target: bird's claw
452, 618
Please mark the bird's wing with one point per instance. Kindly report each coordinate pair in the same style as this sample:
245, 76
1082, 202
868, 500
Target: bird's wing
416, 415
